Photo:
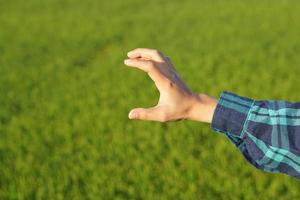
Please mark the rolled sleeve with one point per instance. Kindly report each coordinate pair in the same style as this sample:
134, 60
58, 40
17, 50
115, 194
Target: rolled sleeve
265, 131
231, 113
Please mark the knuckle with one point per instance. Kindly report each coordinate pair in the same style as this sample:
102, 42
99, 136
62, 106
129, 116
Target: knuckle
142, 115
139, 116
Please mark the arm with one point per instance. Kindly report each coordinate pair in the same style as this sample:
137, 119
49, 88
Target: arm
266, 132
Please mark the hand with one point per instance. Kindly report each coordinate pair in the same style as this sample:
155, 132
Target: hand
176, 101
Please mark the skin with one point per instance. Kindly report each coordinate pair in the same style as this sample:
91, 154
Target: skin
176, 100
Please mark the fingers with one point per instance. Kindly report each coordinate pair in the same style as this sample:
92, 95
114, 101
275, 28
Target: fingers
144, 65
149, 67
150, 54
149, 114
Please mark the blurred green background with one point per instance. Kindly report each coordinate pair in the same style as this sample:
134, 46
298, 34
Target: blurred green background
65, 95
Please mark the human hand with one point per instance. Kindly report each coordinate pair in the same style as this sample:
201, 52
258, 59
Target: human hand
176, 101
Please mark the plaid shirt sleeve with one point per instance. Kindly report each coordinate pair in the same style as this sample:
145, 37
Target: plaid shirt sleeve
266, 132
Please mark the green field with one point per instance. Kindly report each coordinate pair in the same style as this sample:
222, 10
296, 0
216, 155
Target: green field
65, 95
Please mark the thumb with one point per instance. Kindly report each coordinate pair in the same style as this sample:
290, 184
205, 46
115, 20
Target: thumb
153, 114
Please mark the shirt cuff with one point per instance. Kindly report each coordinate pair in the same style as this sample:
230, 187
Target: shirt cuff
231, 114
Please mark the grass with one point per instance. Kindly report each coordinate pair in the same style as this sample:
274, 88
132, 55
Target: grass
65, 95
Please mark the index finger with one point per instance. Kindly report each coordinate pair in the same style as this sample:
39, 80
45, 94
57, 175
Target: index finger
151, 54
148, 66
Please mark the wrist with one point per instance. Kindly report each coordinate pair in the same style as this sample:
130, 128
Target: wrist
202, 108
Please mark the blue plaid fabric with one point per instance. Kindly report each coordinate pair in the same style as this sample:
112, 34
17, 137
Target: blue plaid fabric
267, 132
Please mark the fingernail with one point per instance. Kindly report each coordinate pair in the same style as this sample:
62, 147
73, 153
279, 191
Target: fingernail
126, 61
129, 53
132, 115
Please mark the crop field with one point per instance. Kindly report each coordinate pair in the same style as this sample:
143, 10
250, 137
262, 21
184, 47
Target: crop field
65, 95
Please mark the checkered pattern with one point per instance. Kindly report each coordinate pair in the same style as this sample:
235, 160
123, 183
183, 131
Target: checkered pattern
266, 132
